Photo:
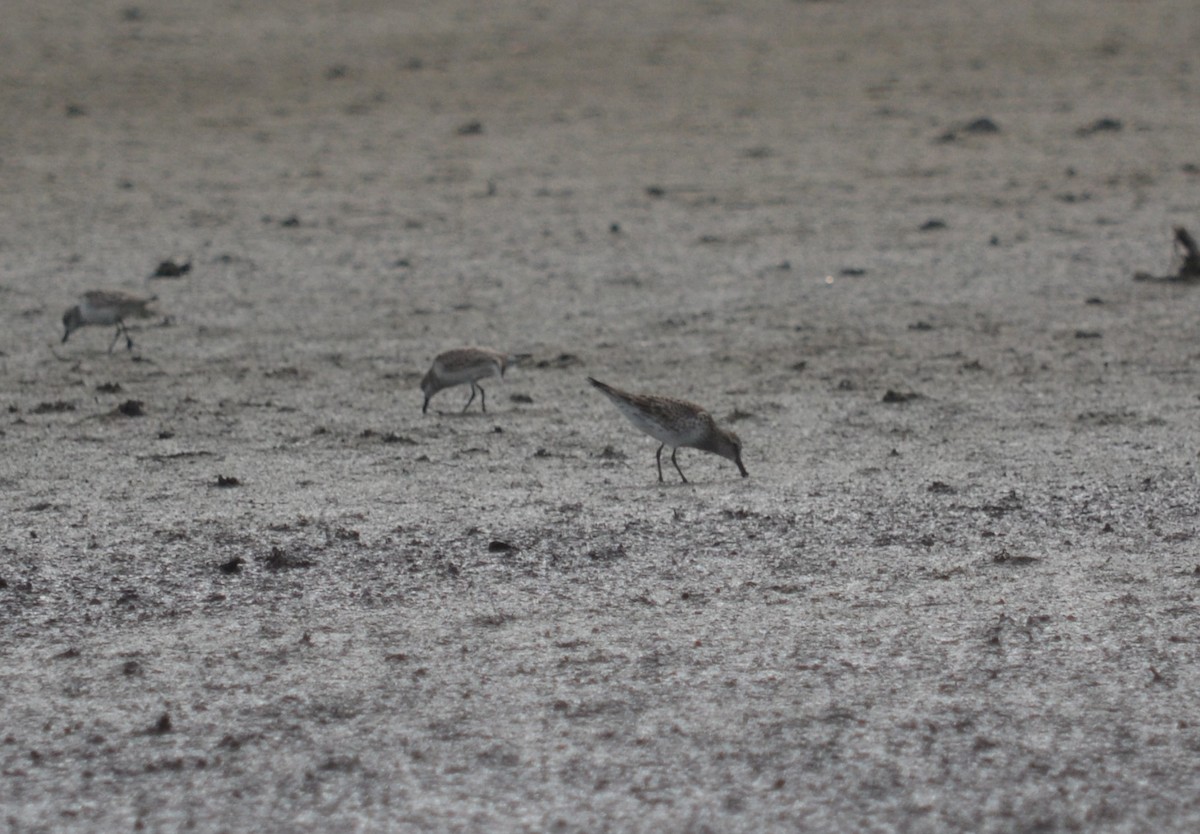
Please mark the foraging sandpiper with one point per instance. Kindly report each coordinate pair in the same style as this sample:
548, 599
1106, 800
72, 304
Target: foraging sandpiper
675, 423
466, 366
107, 307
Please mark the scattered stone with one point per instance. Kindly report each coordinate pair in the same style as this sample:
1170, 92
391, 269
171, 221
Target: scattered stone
131, 408
982, 126
852, 272
233, 566
940, 488
278, 560
290, 222
933, 224
471, 128
56, 407
171, 269
892, 396
227, 481
525, 399
162, 726
1087, 334
109, 388
497, 546
563, 360
655, 191
1104, 125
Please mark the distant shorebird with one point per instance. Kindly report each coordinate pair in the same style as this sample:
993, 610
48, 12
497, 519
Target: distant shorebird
107, 307
675, 423
465, 366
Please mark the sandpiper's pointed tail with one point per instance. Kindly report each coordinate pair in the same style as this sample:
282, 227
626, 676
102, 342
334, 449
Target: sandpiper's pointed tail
607, 389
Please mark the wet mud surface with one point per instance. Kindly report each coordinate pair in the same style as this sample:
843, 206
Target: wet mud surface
246, 585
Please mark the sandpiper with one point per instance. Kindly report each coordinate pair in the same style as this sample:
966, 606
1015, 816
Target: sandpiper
107, 307
675, 423
464, 366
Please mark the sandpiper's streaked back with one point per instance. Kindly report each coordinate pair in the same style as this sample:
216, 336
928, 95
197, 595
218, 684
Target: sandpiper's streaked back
107, 307
466, 366
675, 423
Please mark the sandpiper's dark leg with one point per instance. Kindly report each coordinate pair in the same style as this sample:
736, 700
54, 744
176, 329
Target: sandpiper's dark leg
658, 460
116, 336
677, 469
482, 398
468, 405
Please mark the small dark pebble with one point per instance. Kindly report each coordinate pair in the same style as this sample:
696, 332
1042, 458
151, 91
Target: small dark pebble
933, 224
1105, 125
75, 111
563, 360
56, 407
900, 396
290, 222
655, 191
615, 228
226, 481
521, 398
497, 546
920, 325
609, 453
131, 668
161, 726
278, 559
131, 408
851, 271
981, 125
234, 565
392, 437
1094, 300
171, 269
471, 128
109, 388
165, 435
940, 488
336, 72
1087, 334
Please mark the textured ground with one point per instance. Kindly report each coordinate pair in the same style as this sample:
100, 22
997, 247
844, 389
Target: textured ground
968, 604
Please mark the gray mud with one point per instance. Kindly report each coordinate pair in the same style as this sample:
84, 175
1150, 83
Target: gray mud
280, 598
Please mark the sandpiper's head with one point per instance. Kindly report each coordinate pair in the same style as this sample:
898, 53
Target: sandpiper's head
72, 321
728, 445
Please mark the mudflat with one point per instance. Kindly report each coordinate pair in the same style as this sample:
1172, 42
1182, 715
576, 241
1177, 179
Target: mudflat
246, 585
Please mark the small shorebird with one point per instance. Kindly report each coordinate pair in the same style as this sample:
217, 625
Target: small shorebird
465, 366
675, 423
107, 307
